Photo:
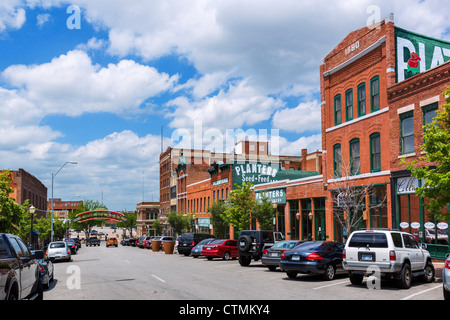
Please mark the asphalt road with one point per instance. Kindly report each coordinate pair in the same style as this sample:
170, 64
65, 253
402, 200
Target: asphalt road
131, 273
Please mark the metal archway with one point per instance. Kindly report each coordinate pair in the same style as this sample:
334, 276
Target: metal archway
99, 214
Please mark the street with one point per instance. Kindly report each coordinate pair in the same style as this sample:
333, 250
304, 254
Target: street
131, 273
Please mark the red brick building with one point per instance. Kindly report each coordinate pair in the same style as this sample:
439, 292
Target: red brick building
28, 187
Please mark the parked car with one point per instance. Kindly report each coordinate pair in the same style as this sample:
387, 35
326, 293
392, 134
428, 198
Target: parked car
221, 248
59, 250
272, 256
19, 272
112, 241
140, 242
147, 243
189, 240
124, 242
197, 250
92, 241
446, 278
76, 241
72, 246
253, 242
397, 254
45, 267
313, 257
132, 242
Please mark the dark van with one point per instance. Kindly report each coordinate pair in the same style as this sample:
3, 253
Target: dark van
189, 240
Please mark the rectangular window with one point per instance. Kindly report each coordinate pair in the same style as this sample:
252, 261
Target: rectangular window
375, 152
337, 110
375, 93
407, 132
354, 157
361, 99
349, 105
429, 112
337, 161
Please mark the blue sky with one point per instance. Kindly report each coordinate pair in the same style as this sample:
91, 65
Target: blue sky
99, 95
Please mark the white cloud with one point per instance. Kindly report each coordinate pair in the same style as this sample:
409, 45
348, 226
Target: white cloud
305, 117
12, 15
71, 85
42, 19
238, 106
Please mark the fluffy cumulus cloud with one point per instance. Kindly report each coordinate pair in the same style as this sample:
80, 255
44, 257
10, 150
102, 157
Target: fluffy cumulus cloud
305, 117
12, 15
71, 84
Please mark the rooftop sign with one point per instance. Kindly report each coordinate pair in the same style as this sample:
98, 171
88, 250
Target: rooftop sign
416, 53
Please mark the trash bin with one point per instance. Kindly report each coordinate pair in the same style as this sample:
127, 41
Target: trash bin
169, 247
156, 244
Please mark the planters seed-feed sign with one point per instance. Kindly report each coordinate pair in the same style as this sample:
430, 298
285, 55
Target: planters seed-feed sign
259, 173
417, 53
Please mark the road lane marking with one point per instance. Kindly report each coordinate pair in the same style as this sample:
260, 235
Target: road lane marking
158, 278
330, 285
423, 291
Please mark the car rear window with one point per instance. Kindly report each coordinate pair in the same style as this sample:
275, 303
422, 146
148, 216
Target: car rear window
57, 245
187, 237
218, 242
284, 245
369, 239
311, 246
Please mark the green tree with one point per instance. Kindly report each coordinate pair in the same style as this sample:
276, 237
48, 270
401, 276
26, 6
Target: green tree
240, 204
436, 174
11, 213
129, 222
218, 222
179, 222
158, 227
264, 214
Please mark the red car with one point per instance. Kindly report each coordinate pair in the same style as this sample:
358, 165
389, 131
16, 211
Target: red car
221, 248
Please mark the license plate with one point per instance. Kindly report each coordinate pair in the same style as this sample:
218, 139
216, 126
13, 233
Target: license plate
208, 248
366, 257
274, 254
296, 258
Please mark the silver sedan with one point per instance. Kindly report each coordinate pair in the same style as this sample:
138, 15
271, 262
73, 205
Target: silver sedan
446, 278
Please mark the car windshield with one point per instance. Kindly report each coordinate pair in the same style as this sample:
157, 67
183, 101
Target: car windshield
284, 245
369, 239
57, 245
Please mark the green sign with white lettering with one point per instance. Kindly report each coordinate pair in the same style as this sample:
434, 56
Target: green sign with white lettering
277, 195
416, 53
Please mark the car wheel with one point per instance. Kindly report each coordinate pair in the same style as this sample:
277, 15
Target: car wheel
405, 277
272, 268
446, 295
209, 258
428, 277
244, 261
226, 256
330, 272
291, 275
356, 279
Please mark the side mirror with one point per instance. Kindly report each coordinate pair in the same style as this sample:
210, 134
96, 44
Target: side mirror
447, 255
423, 245
38, 254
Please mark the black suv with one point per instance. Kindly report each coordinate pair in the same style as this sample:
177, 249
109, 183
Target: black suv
189, 240
252, 243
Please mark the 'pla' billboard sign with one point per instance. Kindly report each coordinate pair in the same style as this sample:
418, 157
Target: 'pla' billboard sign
417, 53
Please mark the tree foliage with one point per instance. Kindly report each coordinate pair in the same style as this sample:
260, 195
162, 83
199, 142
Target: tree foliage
436, 174
218, 222
179, 222
240, 204
11, 213
264, 213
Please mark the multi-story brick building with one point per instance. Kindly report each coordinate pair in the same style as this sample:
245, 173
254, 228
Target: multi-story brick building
379, 86
61, 209
146, 214
28, 187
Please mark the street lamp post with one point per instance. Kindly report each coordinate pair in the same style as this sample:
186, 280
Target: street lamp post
53, 177
32, 209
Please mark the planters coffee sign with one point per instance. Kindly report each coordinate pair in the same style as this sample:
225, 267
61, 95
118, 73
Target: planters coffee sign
255, 172
417, 53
